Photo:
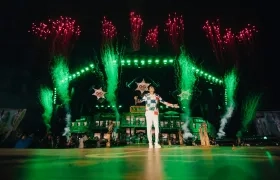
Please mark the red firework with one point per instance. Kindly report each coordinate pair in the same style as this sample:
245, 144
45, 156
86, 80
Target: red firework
63, 31
109, 31
246, 35
229, 37
175, 28
152, 37
41, 30
136, 24
229, 40
213, 33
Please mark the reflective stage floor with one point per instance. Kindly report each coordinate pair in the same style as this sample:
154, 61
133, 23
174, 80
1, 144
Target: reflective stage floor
132, 162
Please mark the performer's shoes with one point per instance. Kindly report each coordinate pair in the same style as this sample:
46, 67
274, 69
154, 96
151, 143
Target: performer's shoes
157, 146
150, 146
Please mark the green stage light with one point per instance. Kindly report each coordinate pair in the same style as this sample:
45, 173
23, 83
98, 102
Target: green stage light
149, 63
144, 62
225, 97
79, 73
105, 107
54, 96
207, 76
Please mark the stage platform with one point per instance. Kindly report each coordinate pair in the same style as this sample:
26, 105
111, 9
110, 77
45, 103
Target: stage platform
139, 162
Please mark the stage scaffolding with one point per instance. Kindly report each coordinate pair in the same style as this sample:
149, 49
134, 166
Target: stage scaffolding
132, 123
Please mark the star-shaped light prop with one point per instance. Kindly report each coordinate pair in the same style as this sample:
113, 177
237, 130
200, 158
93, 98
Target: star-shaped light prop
142, 86
99, 93
185, 95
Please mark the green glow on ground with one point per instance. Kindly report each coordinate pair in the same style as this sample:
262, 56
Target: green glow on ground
215, 163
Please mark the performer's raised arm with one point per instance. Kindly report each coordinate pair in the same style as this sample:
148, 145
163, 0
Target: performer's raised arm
138, 101
167, 103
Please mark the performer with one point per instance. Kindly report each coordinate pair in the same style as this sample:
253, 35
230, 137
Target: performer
180, 137
82, 140
204, 139
109, 134
152, 100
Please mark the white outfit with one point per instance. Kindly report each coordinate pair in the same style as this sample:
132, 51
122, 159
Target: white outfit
152, 119
152, 113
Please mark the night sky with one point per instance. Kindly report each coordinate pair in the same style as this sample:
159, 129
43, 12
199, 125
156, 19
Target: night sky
20, 50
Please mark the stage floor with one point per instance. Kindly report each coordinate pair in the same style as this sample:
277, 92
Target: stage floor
132, 162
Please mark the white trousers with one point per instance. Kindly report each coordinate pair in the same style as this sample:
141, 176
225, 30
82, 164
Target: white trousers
152, 119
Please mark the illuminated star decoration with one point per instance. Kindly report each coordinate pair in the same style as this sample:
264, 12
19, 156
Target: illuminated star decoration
142, 86
99, 93
185, 95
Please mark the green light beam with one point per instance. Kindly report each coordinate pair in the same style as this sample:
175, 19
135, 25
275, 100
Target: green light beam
186, 80
231, 81
110, 59
60, 74
186, 77
46, 100
248, 111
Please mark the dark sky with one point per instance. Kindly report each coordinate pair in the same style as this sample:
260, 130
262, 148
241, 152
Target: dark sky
18, 15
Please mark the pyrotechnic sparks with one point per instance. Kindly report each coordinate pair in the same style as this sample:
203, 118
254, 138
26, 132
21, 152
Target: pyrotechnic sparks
213, 33
40, 30
186, 83
231, 81
46, 100
246, 35
60, 74
175, 28
152, 37
109, 31
229, 37
110, 59
229, 41
249, 109
136, 24
110, 56
61, 32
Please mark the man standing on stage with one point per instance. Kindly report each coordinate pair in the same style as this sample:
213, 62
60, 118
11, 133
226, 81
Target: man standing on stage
152, 111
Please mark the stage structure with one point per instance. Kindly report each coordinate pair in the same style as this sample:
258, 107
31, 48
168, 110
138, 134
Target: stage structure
132, 124
150, 62
111, 77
